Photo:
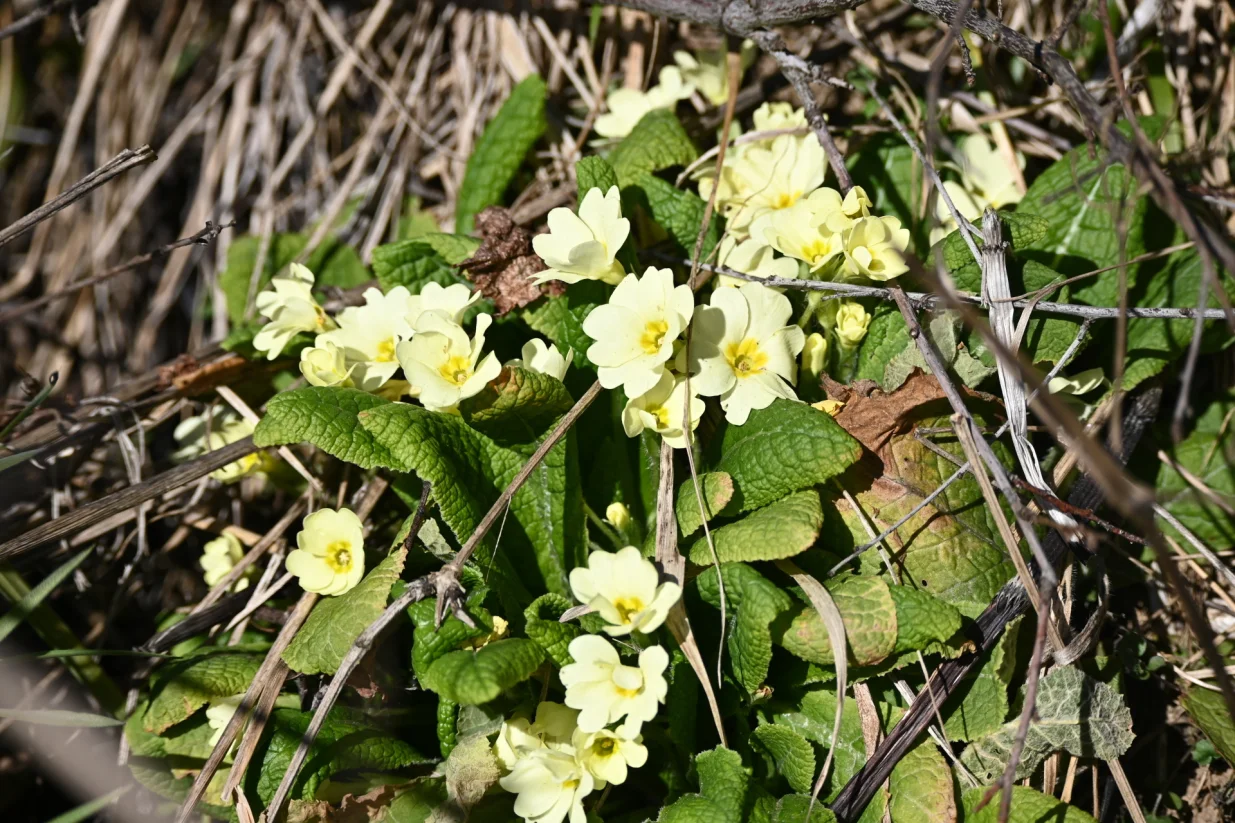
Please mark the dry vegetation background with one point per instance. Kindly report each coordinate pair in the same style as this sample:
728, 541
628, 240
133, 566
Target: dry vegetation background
325, 118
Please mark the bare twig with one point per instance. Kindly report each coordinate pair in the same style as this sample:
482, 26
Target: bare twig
127, 498
203, 238
122, 162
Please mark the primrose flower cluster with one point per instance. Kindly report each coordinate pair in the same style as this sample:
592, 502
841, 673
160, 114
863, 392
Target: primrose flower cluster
365, 346
556, 759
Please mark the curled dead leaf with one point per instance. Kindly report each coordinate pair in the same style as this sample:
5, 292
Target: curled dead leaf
503, 266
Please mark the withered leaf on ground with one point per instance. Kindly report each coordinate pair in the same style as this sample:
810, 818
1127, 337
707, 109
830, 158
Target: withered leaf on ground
503, 265
874, 416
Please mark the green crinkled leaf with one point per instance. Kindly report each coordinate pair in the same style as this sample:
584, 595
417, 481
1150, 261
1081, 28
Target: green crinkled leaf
447, 725
347, 741
544, 628
1089, 203
189, 738
416, 803
793, 808
951, 548
943, 329
1208, 453
543, 536
561, 318
812, 716
1047, 337
1028, 806
327, 417
979, 705
412, 264
499, 152
183, 687
724, 787
453, 248
430, 644
332, 263
677, 211
1074, 713
1154, 343
1208, 710
657, 142
753, 603
782, 529
921, 787
868, 612
471, 770
336, 622
922, 619
886, 337
794, 757
1024, 229
518, 407
786, 447
594, 173
717, 488
473, 677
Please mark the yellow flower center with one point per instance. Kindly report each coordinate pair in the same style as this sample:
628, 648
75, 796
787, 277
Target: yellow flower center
786, 199
746, 358
816, 249
603, 747
627, 607
339, 556
571, 784
653, 336
456, 370
386, 351
662, 416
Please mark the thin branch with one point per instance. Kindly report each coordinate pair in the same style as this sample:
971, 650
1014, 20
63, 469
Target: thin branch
203, 238
118, 165
127, 498
929, 302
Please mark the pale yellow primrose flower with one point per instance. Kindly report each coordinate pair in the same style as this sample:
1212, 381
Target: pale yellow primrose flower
635, 330
606, 691
369, 334
541, 357
766, 176
207, 433
752, 256
584, 246
708, 70
330, 555
624, 588
501, 628
803, 231
814, 355
1081, 383
550, 786
661, 409
627, 106
965, 203
773, 116
744, 351
852, 320
985, 172
520, 737
443, 365
325, 365
291, 309
874, 246
618, 516
606, 755
453, 301
219, 713
986, 180
219, 557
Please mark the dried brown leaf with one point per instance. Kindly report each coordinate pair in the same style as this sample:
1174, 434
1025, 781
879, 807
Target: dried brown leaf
503, 265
